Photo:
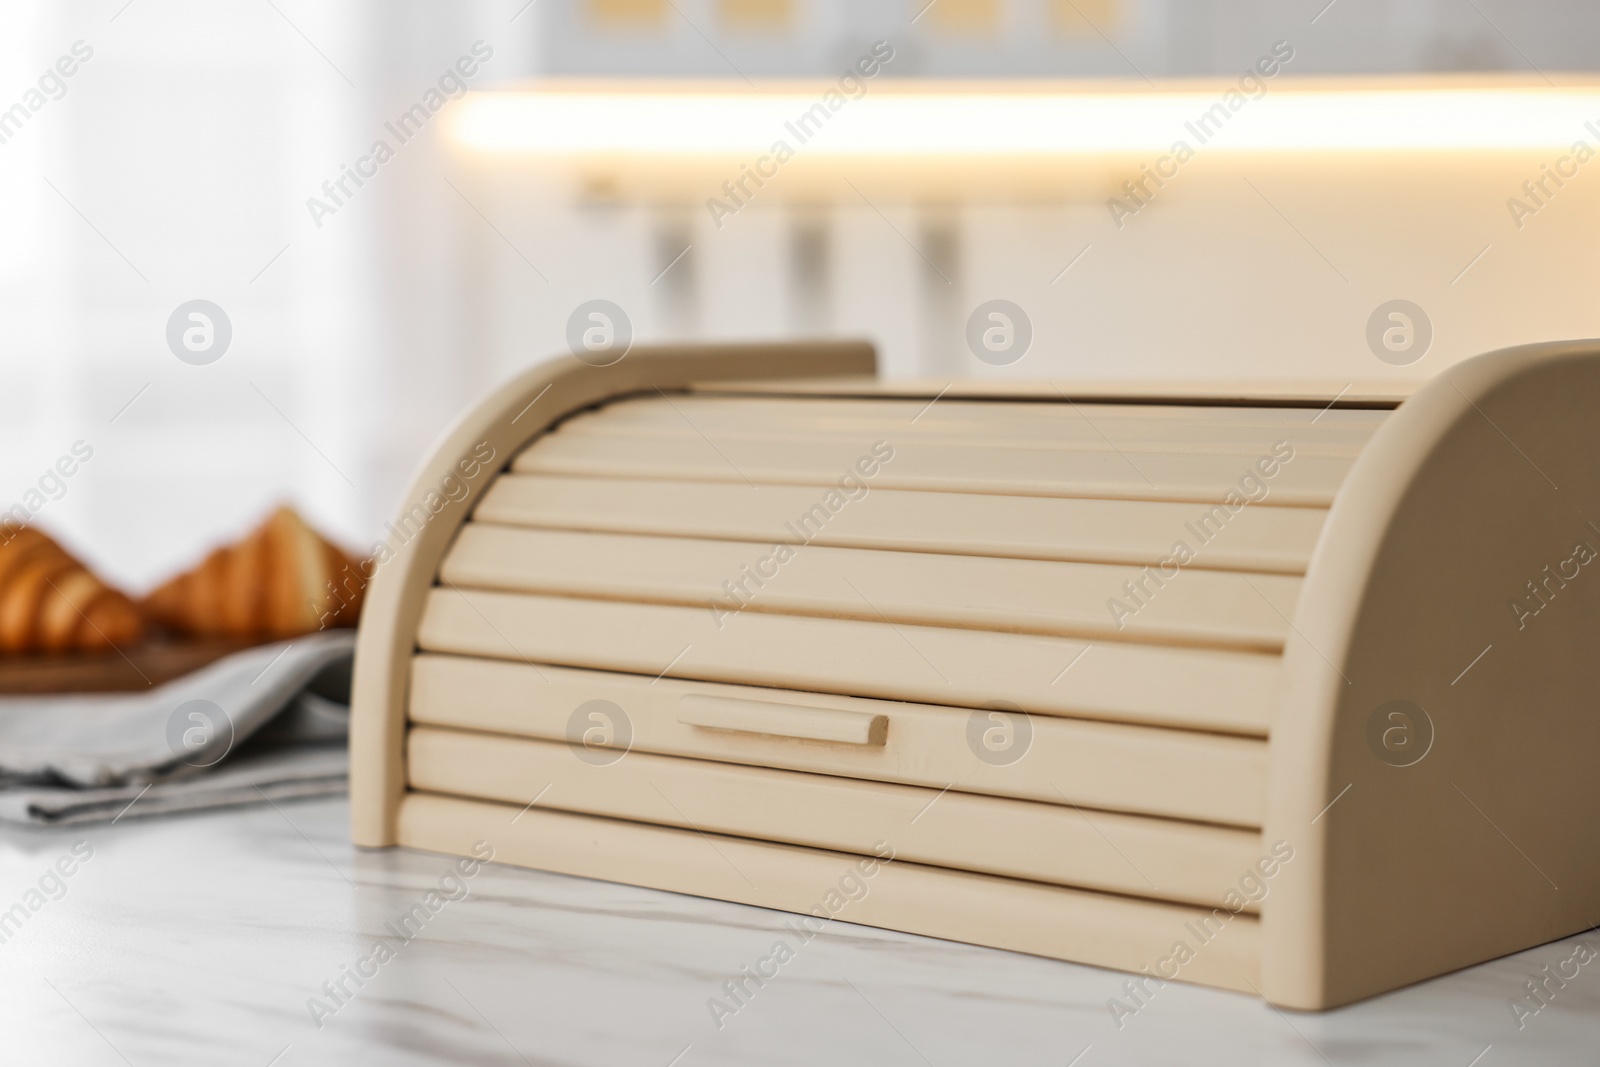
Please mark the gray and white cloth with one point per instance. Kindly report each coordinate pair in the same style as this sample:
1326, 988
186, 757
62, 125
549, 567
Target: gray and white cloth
265, 724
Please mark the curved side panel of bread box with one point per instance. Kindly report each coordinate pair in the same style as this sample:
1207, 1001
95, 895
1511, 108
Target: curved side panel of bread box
471, 454
1432, 760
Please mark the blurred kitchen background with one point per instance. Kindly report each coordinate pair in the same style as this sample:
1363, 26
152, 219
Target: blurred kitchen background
177, 161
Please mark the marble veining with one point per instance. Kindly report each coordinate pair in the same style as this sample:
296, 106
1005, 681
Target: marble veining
203, 939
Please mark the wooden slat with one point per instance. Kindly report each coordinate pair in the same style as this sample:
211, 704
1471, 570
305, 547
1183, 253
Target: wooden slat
1071, 427
1190, 688
1203, 608
1306, 481
1044, 412
1109, 766
1139, 532
1070, 924
1338, 394
1137, 856
1246, 443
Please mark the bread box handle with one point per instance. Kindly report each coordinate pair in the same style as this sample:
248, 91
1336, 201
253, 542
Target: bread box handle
783, 720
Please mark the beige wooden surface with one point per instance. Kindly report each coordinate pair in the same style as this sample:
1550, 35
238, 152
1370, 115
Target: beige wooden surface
1257, 539
499, 426
1152, 858
783, 717
1214, 609
1486, 844
967, 425
1338, 394
1206, 689
1308, 481
1088, 927
1465, 503
1208, 777
1043, 418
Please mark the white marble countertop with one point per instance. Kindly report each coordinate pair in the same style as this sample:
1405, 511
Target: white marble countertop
202, 939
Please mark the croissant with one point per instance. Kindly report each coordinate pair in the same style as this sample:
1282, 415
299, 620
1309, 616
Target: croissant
281, 581
50, 602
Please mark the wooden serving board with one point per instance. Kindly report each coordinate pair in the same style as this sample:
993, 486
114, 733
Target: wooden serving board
134, 669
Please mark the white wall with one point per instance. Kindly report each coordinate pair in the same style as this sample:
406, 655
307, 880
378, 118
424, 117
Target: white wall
177, 167
1240, 268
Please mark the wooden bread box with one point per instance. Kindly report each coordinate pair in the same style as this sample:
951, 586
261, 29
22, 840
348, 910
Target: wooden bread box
1285, 690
